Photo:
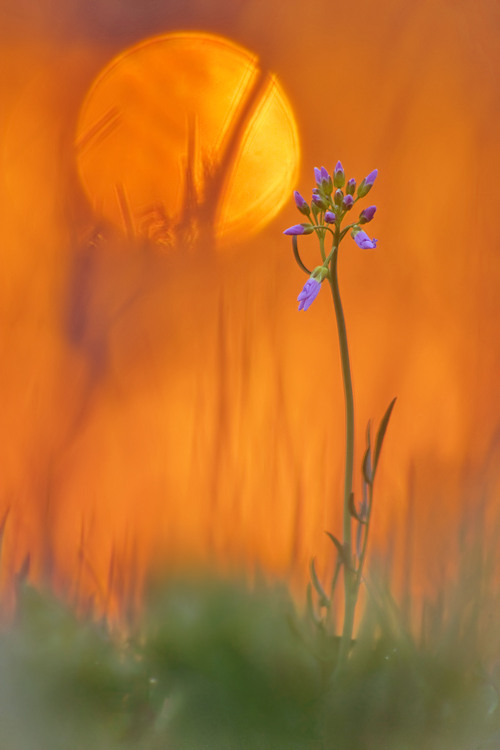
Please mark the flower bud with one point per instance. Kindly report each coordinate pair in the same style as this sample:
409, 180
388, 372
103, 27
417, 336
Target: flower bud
339, 176
301, 204
350, 188
367, 183
319, 201
367, 214
348, 203
300, 229
309, 293
338, 197
326, 181
330, 217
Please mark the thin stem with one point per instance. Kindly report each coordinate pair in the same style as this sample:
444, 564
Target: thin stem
297, 257
359, 572
349, 579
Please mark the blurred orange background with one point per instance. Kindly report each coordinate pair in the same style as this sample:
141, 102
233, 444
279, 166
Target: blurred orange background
164, 403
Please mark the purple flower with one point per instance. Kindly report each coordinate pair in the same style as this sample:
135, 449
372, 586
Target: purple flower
367, 214
338, 175
324, 174
371, 177
362, 240
348, 202
301, 203
330, 217
299, 229
308, 293
323, 179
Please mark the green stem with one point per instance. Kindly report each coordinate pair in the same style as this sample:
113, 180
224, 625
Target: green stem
359, 572
349, 576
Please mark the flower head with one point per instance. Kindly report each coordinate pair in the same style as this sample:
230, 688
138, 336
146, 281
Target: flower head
301, 203
323, 180
367, 183
367, 214
330, 217
362, 240
348, 202
300, 229
308, 293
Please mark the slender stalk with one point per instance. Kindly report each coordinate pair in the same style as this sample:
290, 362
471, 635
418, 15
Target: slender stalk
349, 577
359, 572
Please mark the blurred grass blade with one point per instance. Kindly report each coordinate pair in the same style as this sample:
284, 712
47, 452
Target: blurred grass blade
323, 599
310, 606
353, 511
366, 466
341, 550
380, 435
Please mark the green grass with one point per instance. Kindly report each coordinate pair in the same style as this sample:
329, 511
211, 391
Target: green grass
216, 666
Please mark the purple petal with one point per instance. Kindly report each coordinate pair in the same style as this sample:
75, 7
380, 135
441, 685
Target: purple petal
367, 214
363, 241
299, 200
296, 229
308, 293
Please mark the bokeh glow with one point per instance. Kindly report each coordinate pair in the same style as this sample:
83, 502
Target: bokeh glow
185, 121
173, 408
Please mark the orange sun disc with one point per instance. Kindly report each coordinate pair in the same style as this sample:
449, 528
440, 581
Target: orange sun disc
186, 128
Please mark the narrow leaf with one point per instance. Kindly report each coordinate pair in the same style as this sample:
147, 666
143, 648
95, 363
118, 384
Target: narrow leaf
381, 434
341, 550
323, 599
366, 467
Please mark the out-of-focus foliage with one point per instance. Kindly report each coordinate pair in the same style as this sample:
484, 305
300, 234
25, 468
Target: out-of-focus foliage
214, 666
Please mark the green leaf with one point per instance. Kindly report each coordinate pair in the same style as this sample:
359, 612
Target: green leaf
380, 436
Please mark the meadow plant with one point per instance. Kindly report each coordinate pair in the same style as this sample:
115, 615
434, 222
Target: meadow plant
333, 199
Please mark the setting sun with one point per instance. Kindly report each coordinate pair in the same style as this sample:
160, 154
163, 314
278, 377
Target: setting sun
186, 130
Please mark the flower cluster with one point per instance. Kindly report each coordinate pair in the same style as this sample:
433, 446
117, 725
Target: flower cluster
332, 198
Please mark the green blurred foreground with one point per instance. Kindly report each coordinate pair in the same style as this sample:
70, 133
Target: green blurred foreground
215, 666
